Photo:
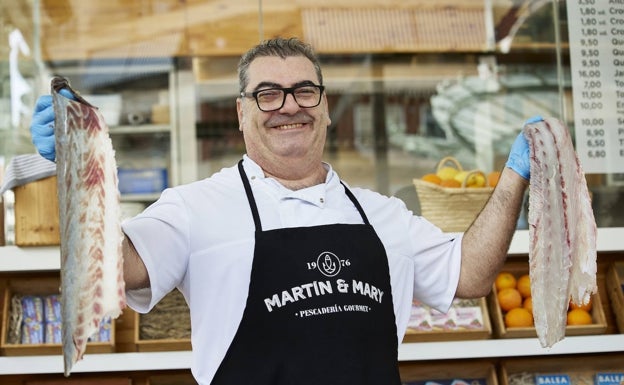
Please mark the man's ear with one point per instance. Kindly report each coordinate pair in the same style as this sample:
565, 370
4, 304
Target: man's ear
239, 112
327, 111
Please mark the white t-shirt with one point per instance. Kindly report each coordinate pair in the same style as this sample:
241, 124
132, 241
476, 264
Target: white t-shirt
199, 237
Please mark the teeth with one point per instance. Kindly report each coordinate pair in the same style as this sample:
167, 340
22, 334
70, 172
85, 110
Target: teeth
289, 126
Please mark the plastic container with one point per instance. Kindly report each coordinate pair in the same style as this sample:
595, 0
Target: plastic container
142, 181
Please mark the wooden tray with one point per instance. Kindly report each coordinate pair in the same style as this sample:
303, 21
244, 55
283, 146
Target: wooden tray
599, 325
159, 345
412, 335
164, 344
447, 371
39, 285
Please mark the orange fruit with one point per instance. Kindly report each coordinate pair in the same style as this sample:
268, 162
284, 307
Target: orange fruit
432, 178
509, 299
528, 304
505, 280
518, 317
579, 317
449, 183
585, 306
524, 286
492, 178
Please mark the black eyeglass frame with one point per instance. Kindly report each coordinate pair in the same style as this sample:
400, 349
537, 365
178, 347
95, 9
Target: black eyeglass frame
286, 91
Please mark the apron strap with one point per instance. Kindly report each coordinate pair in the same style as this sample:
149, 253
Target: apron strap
250, 197
355, 203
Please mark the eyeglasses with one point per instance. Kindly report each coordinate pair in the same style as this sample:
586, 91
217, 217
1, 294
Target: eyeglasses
272, 99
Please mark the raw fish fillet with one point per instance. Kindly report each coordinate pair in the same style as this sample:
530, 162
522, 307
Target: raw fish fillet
562, 229
92, 285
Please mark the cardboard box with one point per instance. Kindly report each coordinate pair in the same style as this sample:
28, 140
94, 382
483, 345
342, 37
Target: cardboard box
38, 285
599, 325
614, 282
37, 213
459, 334
475, 372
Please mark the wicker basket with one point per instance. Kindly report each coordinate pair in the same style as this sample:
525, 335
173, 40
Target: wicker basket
452, 209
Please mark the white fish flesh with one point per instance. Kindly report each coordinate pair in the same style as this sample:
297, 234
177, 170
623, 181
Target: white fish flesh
92, 285
562, 229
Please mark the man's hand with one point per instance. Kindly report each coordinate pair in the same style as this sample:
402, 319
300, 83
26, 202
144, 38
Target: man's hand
519, 157
42, 125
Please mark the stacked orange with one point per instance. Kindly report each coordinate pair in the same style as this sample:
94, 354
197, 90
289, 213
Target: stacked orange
514, 299
580, 314
450, 177
441, 180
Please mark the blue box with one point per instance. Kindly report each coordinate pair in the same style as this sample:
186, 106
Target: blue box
142, 181
552, 379
609, 378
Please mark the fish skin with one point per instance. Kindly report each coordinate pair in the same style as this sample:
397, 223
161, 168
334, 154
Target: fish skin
92, 285
562, 229
583, 234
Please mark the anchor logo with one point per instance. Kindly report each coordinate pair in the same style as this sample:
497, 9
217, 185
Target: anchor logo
328, 264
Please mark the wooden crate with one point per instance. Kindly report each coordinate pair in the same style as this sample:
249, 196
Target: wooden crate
599, 325
172, 378
581, 369
412, 335
614, 282
163, 344
159, 345
41, 286
83, 380
441, 372
37, 213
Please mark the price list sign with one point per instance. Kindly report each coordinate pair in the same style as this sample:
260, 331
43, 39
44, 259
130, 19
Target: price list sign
596, 33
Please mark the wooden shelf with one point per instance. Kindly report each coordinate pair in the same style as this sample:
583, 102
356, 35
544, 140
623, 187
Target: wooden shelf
149, 197
44, 258
140, 129
609, 239
516, 347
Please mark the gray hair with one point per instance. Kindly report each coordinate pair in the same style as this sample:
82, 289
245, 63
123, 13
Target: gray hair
281, 47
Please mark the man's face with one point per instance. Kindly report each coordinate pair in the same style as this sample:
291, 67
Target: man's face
291, 132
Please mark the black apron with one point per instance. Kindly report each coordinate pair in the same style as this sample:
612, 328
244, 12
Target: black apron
319, 308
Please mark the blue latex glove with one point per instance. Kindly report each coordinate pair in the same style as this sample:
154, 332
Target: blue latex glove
519, 157
42, 125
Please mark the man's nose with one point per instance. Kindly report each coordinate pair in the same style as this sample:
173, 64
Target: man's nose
290, 104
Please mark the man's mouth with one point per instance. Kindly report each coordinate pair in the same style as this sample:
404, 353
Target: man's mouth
288, 126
